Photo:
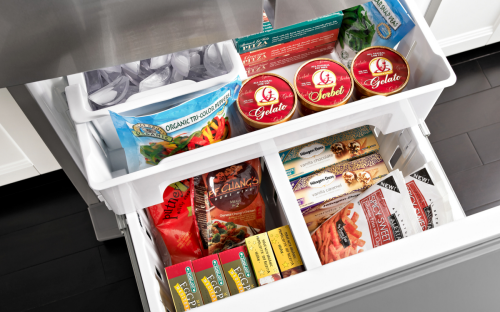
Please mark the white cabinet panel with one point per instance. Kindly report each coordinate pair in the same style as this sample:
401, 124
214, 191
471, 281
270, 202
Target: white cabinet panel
24, 136
463, 25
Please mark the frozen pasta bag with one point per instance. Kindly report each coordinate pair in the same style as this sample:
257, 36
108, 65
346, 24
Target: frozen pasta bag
204, 120
426, 192
380, 215
375, 23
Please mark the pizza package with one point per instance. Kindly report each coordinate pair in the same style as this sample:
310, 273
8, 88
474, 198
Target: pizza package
175, 221
426, 192
236, 207
380, 215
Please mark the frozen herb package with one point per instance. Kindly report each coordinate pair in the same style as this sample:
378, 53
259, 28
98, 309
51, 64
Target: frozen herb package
202, 121
375, 23
286, 251
263, 262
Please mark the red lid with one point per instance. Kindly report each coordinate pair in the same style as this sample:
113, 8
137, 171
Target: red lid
323, 82
205, 263
380, 70
233, 254
179, 269
266, 99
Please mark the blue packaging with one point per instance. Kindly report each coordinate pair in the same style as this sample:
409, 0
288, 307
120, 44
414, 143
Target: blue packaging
147, 140
375, 23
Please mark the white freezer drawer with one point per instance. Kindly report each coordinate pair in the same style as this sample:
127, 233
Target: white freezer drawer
125, 193
321, 287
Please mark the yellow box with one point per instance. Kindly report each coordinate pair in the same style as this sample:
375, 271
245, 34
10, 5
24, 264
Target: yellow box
286, 251
262, 257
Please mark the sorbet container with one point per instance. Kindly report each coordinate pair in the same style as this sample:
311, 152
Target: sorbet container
266, 100
322, 84
379, 71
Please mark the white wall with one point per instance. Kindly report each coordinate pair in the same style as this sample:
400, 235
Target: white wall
23, 153
461, 25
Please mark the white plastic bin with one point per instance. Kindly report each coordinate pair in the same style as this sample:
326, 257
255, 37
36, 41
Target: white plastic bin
337, 276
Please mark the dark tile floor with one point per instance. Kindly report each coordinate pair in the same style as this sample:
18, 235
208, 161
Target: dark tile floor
465, 128
51, 261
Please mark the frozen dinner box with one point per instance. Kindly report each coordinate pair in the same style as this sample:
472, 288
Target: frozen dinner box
318, 154
210, 278
270, 37
262, 257
238, 270
183, 286
286, 251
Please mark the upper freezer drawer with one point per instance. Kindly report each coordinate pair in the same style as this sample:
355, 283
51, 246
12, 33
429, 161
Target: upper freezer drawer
126, 192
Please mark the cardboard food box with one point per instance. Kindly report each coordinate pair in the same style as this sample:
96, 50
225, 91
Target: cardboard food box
263, 262
286, 251
301, 44
210, 278
270, 36
292, 58
330, 189
238, 270
183, 287
306, 158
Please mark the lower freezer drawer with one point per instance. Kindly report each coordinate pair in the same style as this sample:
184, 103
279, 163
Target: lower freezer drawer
326, 286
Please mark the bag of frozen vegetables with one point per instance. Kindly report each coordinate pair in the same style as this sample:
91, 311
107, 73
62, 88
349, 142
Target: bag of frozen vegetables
201, 121
375, 23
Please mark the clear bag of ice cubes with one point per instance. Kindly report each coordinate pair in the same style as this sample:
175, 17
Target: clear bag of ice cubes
114, 85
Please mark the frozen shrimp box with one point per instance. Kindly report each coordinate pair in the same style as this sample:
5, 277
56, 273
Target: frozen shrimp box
270, 37
324, 192
301, 160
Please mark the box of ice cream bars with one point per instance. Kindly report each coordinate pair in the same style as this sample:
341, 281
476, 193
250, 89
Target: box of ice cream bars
325, 192
303, 159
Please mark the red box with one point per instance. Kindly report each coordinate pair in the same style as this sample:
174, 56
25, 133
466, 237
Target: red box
293, 46
291, 58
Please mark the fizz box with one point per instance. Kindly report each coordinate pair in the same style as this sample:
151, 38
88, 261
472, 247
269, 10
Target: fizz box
303, 159
286, 251
183, 286
271, 36
430, 205
380, 71
379, 216
210, 278
288, 59
322, 84
263, 262
238, 270
266, 100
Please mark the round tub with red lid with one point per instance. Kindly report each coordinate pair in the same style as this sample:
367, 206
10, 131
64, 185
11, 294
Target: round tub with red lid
265, 100
321, 84
380, 71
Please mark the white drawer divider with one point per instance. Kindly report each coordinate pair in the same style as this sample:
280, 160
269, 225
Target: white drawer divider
290, 206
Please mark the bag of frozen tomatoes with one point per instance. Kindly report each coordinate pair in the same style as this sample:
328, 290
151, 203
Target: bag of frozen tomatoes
175, 221
380, 215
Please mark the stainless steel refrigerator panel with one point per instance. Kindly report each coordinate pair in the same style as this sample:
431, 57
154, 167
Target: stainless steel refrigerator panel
48, 38
287, 12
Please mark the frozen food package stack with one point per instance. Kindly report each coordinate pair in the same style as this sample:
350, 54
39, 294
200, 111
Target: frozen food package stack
275, 48
380, 215
426, 192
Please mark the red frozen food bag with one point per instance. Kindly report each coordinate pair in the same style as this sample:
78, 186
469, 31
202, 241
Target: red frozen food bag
176, 222
237, 209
